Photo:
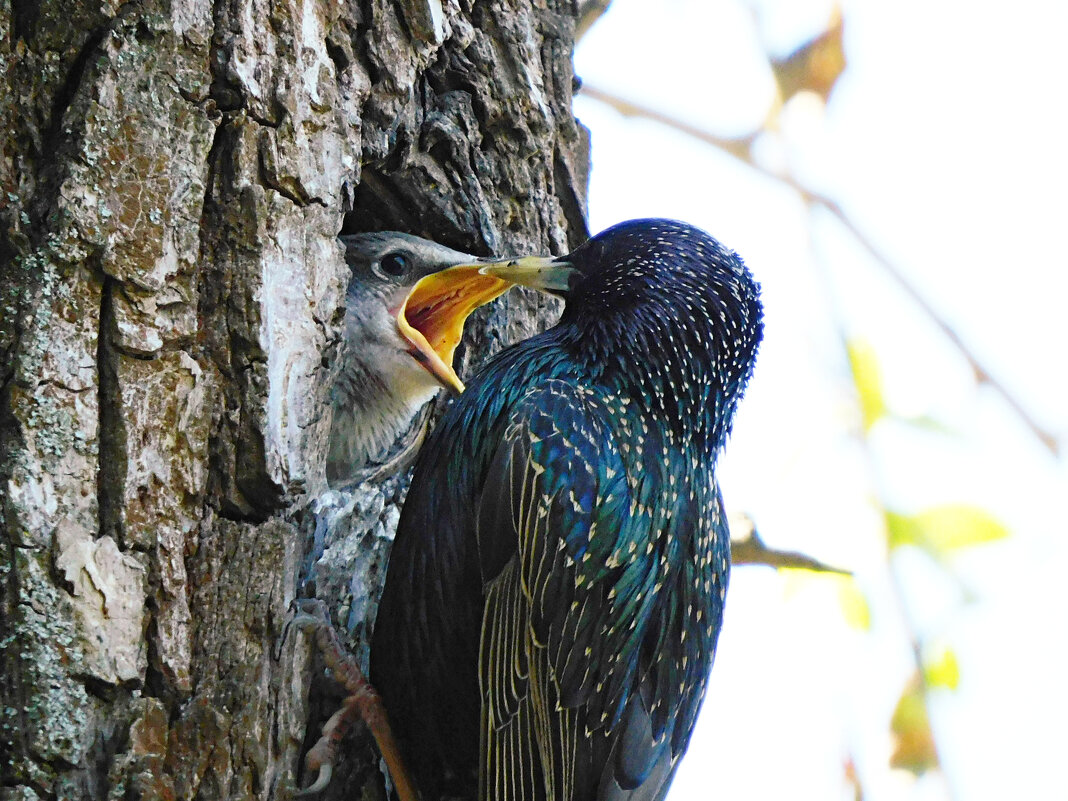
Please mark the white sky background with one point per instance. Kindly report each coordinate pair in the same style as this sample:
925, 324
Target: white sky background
946, 139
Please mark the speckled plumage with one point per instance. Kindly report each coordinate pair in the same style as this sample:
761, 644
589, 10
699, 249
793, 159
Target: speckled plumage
556, 586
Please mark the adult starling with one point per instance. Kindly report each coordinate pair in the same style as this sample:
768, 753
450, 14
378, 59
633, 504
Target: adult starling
405, 308
556, 586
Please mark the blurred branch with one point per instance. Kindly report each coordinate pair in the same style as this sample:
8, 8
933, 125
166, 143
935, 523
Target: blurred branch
589, 13
982, 375
915, 748
750, 549
852, 777
741, 149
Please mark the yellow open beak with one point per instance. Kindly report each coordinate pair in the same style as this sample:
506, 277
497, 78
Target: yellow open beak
432, 317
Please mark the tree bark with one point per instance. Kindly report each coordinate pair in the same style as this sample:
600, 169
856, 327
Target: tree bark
172, 179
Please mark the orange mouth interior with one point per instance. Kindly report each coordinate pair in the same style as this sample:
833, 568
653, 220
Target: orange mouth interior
432, 317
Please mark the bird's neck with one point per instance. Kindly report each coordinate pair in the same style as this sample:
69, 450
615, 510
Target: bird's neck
370, 416
671, 370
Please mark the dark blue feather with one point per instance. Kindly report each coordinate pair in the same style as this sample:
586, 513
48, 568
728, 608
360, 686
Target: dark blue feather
565, 520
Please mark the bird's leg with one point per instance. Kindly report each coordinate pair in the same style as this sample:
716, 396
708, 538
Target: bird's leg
362, 702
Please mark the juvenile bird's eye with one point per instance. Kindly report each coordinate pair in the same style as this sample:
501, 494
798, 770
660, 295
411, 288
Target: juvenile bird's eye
393, 265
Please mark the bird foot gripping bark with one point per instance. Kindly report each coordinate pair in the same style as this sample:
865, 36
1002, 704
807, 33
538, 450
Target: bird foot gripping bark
363, 702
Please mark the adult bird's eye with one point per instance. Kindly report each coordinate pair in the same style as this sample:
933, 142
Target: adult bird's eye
393, 265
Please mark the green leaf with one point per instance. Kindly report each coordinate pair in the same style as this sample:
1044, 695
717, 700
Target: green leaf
914, 745
941, 530
867, 380
941, 669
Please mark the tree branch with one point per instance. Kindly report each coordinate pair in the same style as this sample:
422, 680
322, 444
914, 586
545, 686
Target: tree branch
589, 13
750, 549
741, 149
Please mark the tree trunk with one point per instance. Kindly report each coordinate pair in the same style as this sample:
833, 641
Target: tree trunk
172, 179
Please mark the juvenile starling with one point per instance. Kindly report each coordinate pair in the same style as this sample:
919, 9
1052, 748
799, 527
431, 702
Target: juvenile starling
405, 309
556, 586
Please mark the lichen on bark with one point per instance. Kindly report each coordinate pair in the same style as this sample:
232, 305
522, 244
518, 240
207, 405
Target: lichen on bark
173, 175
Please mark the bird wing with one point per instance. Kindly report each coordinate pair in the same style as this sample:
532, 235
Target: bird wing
571, 688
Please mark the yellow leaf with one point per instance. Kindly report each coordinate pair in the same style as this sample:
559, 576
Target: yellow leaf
901, 530
854, 603
815, 66
867, 380
941, 669
914, 746
958, 526
943, 529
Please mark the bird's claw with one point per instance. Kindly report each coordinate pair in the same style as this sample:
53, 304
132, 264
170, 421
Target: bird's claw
304, 621
326, 771
362, 702
311, 615
309, 612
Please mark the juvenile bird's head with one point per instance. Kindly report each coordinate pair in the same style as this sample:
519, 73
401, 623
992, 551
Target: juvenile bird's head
663, 304
405, 308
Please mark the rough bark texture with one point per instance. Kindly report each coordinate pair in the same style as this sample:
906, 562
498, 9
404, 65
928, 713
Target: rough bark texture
172, 179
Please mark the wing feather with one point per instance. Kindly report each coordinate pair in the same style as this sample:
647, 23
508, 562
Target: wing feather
583, 666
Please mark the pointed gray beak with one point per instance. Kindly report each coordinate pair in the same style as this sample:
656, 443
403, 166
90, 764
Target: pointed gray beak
544, 273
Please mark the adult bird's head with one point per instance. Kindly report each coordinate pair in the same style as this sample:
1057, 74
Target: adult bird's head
405, 309
662, 302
